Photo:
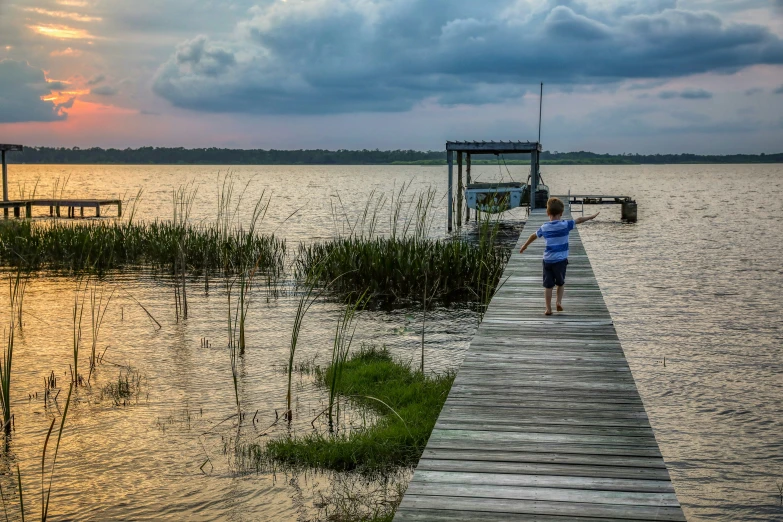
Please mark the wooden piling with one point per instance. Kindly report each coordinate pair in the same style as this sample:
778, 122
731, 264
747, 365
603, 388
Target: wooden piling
628, 211
460, 189
467, 183
450, 206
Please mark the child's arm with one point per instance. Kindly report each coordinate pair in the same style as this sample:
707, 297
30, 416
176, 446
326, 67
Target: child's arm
532, 238
586, 218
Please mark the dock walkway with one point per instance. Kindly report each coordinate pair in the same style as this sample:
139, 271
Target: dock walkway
544, 421
55, 204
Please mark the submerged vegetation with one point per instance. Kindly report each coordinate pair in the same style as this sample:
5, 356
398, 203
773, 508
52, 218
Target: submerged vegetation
108, 245
407, 402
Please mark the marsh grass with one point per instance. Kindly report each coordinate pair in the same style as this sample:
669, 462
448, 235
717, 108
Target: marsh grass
127, 387
397, 268
407, 402
100, 246
98, 309
307, 297
16, 287
343, 337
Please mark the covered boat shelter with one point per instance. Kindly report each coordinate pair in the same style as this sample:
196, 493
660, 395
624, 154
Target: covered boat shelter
468, 148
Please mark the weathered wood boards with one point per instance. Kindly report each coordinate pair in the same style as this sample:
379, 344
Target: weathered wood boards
544, 421
56, 204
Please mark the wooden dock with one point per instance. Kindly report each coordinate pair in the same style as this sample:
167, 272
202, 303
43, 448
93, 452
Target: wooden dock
544, 421
55, 206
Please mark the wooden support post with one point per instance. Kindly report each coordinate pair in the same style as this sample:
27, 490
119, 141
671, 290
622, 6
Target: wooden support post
119, 208
81, 211
57, 209
28, 210
533, 178
5, 179
17, 211
5, 184
450, 161
467, 183
459, 189
628, 211
97, 210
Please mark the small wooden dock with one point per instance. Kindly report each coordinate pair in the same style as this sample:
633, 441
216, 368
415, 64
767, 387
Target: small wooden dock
55, 206
544, 421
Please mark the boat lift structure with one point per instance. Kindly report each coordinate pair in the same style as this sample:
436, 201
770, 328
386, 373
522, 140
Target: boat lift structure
504, 196
467, 149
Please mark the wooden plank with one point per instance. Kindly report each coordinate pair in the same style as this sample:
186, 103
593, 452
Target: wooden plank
535, 507
548, 481
547, 494
455, 441
544, 420
541, 457
436, 515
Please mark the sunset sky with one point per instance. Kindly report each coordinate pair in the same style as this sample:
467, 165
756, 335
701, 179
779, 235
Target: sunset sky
645, 76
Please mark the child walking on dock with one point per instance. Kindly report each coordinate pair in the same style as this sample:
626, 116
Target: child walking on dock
555, 233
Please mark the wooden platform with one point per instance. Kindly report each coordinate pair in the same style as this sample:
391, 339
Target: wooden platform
55, 206
544, 421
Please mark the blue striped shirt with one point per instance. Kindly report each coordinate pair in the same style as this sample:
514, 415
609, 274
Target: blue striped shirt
555, 234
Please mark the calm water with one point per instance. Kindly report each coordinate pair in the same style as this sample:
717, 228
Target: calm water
697, 280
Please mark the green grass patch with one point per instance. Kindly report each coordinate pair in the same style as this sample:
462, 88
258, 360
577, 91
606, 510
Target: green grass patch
397, 438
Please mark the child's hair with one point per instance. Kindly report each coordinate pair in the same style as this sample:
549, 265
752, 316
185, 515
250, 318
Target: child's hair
554, 207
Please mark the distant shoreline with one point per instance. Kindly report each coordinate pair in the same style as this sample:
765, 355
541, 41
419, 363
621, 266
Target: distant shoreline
237, 157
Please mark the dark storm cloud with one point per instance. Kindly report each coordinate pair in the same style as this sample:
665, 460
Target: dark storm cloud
96, 80
779, 90
21, 88
328, 56
688, 94
754, 91
104, 90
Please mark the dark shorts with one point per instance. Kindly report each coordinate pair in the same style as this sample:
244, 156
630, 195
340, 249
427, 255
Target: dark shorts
554, 273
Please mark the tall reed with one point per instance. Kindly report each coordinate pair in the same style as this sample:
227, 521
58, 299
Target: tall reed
306, 300
343, 337
46, 487
15, 285
183, 203
97, 312
78, 311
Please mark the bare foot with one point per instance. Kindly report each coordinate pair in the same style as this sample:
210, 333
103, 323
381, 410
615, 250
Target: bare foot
559, 308
548, 312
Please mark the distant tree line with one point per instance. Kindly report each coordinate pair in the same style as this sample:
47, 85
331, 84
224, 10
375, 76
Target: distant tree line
216, 156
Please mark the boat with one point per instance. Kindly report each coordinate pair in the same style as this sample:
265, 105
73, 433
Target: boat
494, 198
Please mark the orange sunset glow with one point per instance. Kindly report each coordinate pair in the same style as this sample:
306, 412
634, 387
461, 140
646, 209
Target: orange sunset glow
62, 32
63, 14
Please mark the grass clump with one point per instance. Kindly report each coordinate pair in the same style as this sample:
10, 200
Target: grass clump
407, 402
126, 389
398, 268
107, 245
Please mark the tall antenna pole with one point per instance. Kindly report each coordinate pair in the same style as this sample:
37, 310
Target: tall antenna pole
540, 105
